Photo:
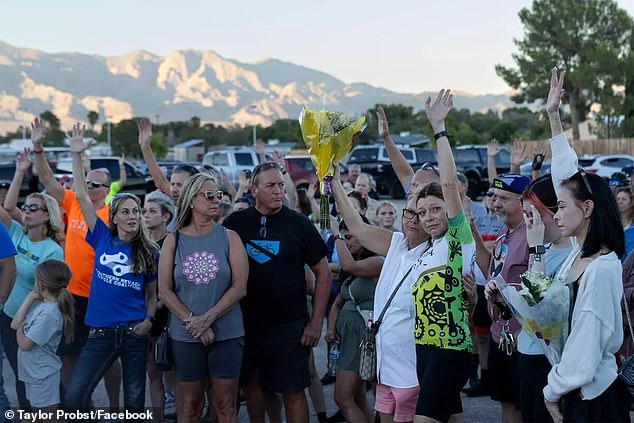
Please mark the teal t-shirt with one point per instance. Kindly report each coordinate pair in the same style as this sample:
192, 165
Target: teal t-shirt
30, 254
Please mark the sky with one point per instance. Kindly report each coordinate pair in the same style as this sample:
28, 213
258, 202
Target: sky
402, 45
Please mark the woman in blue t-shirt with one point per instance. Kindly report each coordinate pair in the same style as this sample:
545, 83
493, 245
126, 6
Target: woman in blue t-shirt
122, 299
35, 239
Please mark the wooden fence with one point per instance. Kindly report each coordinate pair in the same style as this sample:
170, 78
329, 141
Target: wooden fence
599, 146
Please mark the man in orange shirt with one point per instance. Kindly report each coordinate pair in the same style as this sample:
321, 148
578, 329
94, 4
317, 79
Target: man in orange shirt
78, 254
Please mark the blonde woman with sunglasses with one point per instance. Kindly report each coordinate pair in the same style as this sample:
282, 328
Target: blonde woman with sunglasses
35, 240
202, 276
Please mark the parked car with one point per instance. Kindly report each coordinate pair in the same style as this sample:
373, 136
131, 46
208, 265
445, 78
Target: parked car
471, 160
137, 182
375, 161
232, 161
526, 168
302, 170
605, 165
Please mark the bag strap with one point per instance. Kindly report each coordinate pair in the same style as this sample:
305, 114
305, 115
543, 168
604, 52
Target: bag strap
176, 238
627, 315
355, 302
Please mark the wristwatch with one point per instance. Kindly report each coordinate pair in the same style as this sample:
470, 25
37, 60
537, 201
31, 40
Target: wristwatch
537, 250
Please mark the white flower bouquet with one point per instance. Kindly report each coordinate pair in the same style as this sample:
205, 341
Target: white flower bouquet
542, 307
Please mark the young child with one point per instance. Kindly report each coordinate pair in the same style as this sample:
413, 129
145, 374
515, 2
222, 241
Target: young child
45, 312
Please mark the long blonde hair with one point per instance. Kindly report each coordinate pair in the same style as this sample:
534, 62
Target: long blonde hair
144, 250
54, 275
191, 187
51, 206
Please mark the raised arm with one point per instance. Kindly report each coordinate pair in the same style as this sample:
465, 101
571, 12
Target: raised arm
401, 166
145, 134
371, 237
54, 188
77, 147
436, 113
366, 268
563, 158
492, 151
22, 165
123, 177
518, 155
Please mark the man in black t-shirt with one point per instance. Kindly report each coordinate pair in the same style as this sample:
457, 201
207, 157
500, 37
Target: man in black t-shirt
278, 332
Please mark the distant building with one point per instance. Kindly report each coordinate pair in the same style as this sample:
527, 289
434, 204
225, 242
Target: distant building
190, 151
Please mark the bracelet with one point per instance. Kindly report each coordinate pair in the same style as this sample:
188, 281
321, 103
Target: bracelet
39, 151
440, 134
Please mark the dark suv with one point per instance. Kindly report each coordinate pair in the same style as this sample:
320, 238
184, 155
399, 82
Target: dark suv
472, 161
375, 161
137, 182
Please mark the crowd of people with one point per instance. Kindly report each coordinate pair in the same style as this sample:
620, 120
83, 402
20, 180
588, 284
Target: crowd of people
214, 293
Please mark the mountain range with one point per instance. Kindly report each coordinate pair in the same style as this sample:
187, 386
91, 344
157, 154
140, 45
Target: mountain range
183, 84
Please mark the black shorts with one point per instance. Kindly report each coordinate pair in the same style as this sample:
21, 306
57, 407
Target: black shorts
442, 373
503, 377
81, 330
481, 319
221, 360
533, 376
278, 357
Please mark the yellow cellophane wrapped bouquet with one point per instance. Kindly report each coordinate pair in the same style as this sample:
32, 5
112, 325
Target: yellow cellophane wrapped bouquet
329, 137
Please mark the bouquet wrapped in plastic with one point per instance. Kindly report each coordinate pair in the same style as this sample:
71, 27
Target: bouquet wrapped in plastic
329, 137
542, 307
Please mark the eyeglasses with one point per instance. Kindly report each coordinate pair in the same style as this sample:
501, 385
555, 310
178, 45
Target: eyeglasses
263, 228
32, 207
586, 181
265, 166
124, 195
210, 195
410, 214
95, 184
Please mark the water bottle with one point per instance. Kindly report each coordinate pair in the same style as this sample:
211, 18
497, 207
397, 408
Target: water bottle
333, 362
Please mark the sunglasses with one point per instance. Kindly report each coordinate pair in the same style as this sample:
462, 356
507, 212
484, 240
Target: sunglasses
210, 195
586, 181
410, 214
429, 166
265, 166
32, 207
263, 227
186, 169
95, 184
489, 194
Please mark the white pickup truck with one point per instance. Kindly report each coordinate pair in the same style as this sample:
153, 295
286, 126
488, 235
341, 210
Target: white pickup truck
232, 161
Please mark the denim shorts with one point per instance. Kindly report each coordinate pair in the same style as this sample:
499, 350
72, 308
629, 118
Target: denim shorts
195, 361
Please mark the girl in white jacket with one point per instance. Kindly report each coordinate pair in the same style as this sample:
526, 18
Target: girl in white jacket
583, 386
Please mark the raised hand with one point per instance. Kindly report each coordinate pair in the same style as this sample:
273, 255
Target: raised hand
38, 132
311, 190
259, 147
437, 111
493, 147
23, 161
556, 90
278, 158
145, 132
122, 160
535, 228
76, 139
518, 152
384, 130
245, 180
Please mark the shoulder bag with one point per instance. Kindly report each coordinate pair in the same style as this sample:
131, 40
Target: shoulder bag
163, 349
626, 371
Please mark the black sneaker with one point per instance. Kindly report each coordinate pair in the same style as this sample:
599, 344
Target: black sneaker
336, 418
477, 390
327, 379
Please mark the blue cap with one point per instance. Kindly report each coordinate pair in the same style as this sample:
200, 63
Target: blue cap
511, 183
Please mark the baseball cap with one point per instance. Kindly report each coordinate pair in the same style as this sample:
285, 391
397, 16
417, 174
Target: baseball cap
511, 182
